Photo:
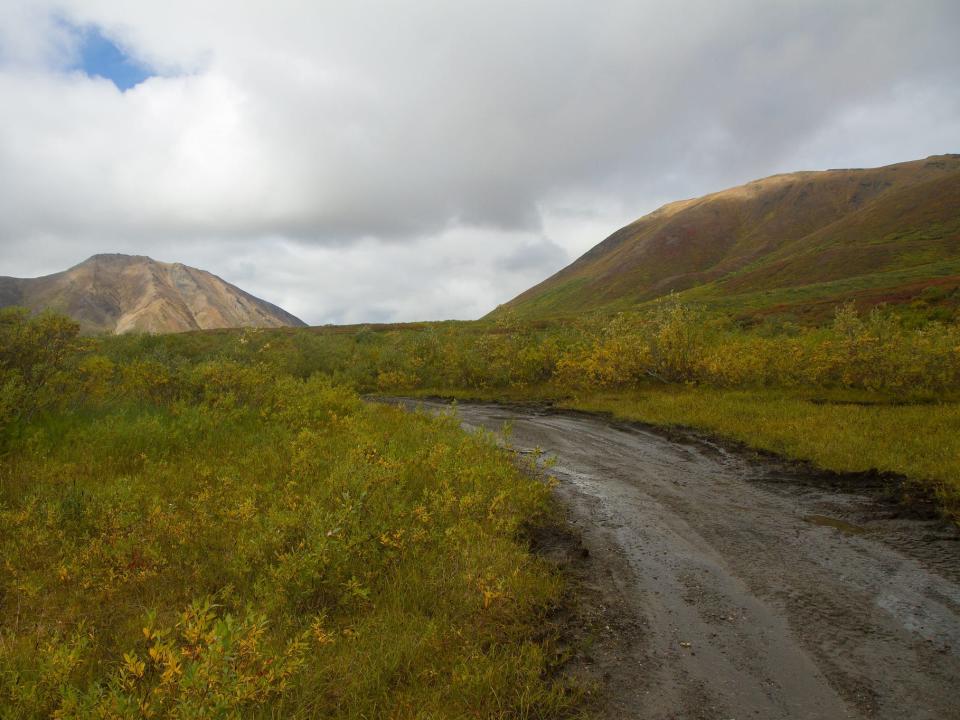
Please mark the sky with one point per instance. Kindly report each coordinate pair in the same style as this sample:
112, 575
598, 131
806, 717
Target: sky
389, 161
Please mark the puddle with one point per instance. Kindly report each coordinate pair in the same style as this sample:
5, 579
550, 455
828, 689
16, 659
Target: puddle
841, 525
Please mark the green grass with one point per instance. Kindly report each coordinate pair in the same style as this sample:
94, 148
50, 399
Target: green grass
841, 431
753, 385
242, 545
921, 442
554, 299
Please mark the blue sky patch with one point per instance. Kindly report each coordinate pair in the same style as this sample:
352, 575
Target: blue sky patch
100, 57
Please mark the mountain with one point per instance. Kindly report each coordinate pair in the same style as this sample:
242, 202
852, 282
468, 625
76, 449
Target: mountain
132, 293
796, 244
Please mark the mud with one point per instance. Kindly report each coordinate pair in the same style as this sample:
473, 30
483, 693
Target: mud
717, 584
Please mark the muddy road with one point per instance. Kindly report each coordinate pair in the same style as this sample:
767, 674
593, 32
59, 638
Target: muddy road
728, 586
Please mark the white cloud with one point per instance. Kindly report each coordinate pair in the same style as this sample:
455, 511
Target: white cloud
389, 160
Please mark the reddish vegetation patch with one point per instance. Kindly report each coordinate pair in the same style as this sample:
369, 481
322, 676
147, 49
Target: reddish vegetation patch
820, 309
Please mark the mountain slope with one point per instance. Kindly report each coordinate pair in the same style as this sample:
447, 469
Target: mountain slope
127, 293
869, 230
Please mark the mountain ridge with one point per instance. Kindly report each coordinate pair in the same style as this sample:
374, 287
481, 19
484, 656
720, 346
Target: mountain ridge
117, 293
787, 231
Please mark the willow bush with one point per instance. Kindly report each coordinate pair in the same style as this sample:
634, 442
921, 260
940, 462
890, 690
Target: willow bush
220, 538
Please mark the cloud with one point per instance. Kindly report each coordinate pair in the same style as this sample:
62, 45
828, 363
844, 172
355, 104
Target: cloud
441, 142
532, 255
458, 273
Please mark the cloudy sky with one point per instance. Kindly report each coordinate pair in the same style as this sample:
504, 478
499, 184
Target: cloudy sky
376, 161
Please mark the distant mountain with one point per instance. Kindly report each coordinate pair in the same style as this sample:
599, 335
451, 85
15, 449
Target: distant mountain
133, 293
794, 243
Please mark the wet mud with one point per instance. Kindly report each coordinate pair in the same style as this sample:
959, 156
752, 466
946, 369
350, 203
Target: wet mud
717, 584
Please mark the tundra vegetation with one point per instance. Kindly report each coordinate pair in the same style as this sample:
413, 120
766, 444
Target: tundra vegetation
873, 388
221, 538
214, 524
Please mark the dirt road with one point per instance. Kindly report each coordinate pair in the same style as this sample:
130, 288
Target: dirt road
731, 586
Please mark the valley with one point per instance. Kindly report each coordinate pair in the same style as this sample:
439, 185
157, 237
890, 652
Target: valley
433, 360
712, 471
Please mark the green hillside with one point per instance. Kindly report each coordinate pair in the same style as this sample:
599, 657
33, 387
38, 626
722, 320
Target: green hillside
797, 244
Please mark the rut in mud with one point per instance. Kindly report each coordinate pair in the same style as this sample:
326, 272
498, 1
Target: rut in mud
735, 587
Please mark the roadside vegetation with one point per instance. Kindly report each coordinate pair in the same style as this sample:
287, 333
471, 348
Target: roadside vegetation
865, 390
918, 441
220, 537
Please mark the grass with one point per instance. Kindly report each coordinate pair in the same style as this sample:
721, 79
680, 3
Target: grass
754, 385
844, 432
801, 298
215, 540
921, 442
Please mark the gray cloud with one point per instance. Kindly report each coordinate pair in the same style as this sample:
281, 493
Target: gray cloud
372, 160
532, 255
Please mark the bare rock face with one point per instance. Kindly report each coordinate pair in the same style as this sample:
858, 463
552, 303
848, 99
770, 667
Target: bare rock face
133, 293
